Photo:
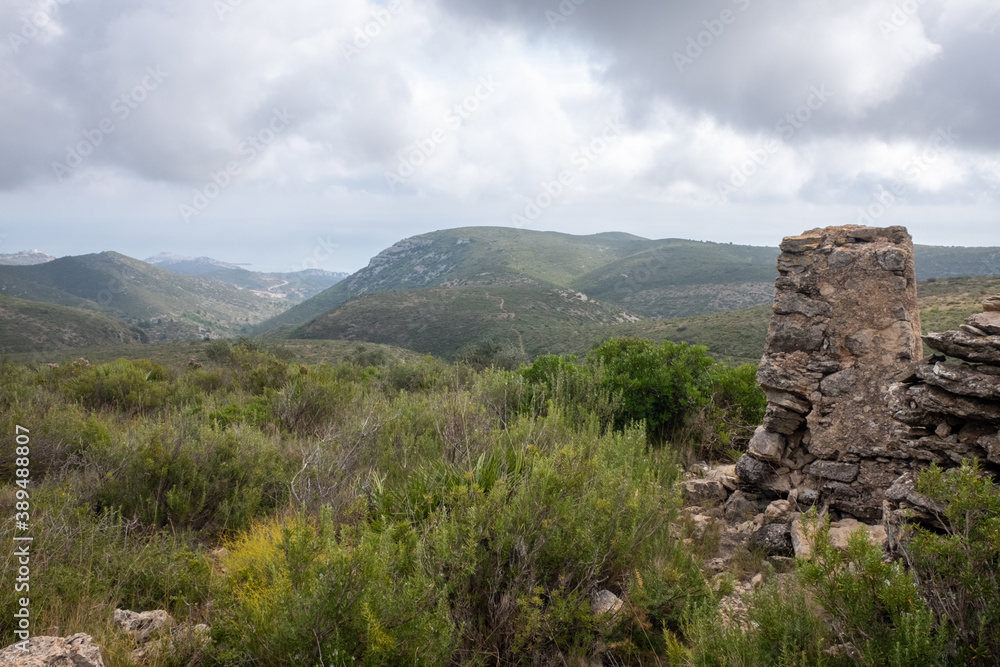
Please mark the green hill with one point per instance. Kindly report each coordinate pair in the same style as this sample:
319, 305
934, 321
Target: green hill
471, 256
536, 318
677, 278
443, 321
29, 326
659, 279
166, 305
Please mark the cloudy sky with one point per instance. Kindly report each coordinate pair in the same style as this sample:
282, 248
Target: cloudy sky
317, 132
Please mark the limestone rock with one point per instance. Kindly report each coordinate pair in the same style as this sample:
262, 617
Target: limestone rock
605, 602
78, 650
965, 380
699, 491
987, 322
742, 505
841, 472
788, 373
142, 625
922, 404
966, 346
767, 446
802, 544
841, 531
753, 472
803, 534
777, 511
991, 304
774, 538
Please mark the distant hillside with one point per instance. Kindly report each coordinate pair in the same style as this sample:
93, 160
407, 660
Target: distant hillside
177, 354
485, 256
188, 266
677, 278
293, 287
25, 258
29, 326
166, 305
659, 279
538, 319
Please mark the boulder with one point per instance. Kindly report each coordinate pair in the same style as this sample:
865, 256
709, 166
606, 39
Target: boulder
777, 511
79, 650
841, 472
702, 491
922, 404
991, 304
964, 380
753, 472
742, 506
841, 531
605, 602
774, 539
987, 322
142, 625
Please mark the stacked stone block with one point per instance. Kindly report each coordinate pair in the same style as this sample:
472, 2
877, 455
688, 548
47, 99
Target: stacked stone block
845, 325
953, 409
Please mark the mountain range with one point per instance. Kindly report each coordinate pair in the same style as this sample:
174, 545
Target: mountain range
442, 292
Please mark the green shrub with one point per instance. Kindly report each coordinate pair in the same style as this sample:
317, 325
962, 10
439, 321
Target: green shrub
957, 568
492, 354
191, 476
661, 385
255, 412
305, 593
873, 605
123, 385
232, 351
427, 374
740, 400
84, 565
724, 425
526, 539
309, 403
780, 629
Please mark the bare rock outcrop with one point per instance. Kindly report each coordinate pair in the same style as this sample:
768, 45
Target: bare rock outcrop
78, 650
845, 325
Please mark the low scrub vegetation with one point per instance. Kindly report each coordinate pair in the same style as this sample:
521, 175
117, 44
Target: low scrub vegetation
422, 513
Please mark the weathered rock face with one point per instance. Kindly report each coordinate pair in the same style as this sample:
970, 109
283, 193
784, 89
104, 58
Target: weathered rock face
845, 325
952, 410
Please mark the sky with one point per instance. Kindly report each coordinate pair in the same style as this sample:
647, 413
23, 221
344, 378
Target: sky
313, 134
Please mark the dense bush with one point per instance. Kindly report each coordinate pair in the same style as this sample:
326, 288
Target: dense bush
127, 386
499, 558
189, 476
303, 592
660, 385
957, 568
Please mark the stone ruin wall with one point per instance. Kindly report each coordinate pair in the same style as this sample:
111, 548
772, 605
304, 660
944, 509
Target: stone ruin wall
845, 326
